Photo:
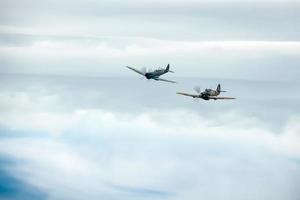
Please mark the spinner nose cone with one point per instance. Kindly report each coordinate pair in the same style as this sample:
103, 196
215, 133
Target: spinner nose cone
147, 75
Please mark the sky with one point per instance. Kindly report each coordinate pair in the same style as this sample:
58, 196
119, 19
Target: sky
75, 123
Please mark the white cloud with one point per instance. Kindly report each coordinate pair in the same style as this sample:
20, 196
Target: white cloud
49, 117
105, 57
175, 156
97, 152
76, 151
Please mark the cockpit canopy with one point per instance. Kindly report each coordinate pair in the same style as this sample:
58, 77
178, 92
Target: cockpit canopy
158, 70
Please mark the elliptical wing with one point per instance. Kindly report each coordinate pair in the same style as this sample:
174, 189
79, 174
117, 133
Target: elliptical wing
135, 70
160, 79
221, 98
187, 94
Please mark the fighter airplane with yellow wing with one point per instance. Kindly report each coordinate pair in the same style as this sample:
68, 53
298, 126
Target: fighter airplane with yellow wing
207, 94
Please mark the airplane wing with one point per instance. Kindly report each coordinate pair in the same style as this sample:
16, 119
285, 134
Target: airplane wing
189, 95
216, 98
135, 70
160, 79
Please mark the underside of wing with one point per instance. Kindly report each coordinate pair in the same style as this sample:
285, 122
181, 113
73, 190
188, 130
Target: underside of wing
160, 79
135, 70
189, 95
216, 98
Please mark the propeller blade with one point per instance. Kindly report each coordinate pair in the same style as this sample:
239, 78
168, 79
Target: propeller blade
197, 89
144, 70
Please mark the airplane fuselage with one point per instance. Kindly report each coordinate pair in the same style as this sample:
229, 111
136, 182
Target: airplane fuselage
155, 74
203, 95
210, 92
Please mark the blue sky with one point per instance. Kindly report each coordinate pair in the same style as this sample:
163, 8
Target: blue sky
76, 124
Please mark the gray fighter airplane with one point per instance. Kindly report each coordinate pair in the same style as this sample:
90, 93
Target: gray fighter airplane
154, 74
207, 94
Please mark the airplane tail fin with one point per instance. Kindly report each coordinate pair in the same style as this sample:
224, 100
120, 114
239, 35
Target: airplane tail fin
168, 69
219, 89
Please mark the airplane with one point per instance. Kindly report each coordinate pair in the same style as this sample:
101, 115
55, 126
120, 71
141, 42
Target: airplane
154, 74
207, 94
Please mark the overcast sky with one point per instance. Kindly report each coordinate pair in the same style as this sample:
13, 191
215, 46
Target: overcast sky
210, 39
100, 131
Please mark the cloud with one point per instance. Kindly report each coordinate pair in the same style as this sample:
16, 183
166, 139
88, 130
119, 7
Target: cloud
105, 56
49, 116
215, 39
142, 191
92, 138
13, 188
79, 151
174, 159
169, 20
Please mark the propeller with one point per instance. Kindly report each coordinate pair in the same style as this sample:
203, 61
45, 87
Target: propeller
144, 70
197, 89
